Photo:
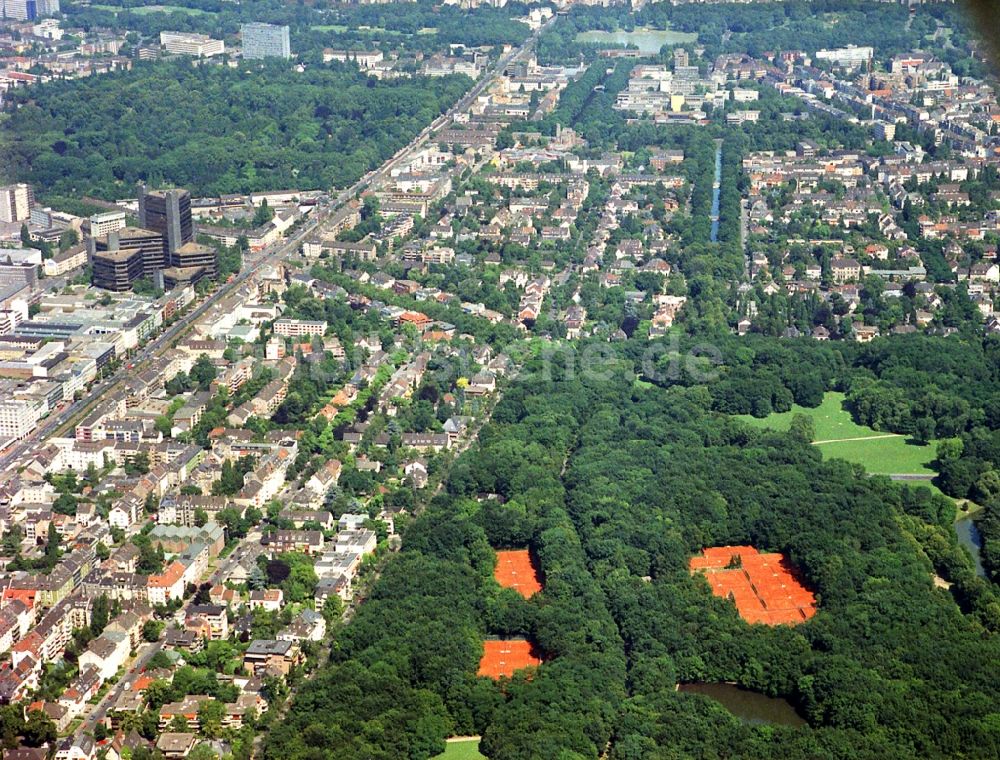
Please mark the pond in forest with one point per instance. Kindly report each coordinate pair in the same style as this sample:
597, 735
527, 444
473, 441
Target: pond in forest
969, 537
749, 706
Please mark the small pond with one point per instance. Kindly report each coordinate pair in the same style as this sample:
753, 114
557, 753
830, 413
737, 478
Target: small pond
749, 706
968, 536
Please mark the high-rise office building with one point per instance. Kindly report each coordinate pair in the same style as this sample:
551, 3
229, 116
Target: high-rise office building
15, 203
169, 213
21, 10
265, 41
116, 270
189, 264
195, 255
47, 7
122, 257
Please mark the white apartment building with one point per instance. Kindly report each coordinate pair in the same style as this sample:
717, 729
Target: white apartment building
18, 416
123, 514
15, 203
298, 328
849, 56
366, 59
65, 262
188, 43
106, 223
265, 41
49, 29
21, 10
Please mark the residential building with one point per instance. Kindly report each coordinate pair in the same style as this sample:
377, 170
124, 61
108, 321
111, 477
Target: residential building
215, 617
79, 748
850, 56
176, 744
270, 655
106, 654
305, 541
18, 416
298, 328
268, 599
15, 200
166, 586
265, 41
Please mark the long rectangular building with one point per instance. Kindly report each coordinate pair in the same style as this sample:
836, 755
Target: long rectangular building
189, 43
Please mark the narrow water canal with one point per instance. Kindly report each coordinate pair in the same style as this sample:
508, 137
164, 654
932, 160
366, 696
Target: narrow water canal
716, 188
748, 706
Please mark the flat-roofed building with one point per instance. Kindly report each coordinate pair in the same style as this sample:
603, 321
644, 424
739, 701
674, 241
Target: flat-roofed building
148, 244
194, 255
106, 223
265, 41
298, 328
189, 43
116, 270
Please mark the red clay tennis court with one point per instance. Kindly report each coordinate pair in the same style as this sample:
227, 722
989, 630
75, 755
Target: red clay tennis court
764, 587
503, 657
515, 569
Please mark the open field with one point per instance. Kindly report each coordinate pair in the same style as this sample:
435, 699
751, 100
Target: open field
338, 28
465, 749
147, 9
647, 40
837, 435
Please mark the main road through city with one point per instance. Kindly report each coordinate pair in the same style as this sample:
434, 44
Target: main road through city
59, 421
250, 546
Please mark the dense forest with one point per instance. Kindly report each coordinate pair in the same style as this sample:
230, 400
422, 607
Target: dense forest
214, 129
613, 485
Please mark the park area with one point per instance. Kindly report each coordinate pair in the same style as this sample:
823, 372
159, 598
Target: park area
516, 569
462, 749
145, 10
839, 437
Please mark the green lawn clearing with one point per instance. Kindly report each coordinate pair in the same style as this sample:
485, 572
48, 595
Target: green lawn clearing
145, 10
464, 749
837, 435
